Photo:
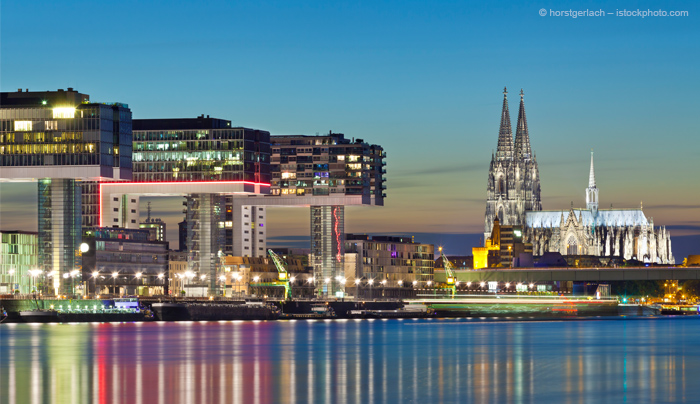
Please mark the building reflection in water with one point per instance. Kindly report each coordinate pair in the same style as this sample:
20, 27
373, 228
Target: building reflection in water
350, 361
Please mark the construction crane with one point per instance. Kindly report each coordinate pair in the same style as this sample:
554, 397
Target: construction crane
282, 274
449, 273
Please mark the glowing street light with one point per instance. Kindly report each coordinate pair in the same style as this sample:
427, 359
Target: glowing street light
256, 278
429, 283
400, 283
383, 282
327, 280
371, 281
114, 281
357, 281
532, 285
292, 279
138, 275
415, 283
482, 284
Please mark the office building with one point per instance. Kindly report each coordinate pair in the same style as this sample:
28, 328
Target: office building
58, 139
124, 262
203, 159
390, 258
19, 260
324, 173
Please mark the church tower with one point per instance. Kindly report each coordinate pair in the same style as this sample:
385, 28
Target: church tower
513, 184
592, 192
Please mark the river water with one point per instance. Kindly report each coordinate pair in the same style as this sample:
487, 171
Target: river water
353, 361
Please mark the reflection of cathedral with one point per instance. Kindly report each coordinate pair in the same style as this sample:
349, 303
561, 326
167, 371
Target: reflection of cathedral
513, 195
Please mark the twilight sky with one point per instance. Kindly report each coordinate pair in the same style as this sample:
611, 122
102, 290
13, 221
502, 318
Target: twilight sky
423, 79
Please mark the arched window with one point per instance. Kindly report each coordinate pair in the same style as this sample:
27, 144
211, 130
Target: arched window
500, 215
501, 186
572, 246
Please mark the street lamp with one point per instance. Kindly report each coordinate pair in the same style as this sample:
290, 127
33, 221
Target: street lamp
95, 274
400, 282
12, 278
114, 281
415, 283
429, 283
160, 277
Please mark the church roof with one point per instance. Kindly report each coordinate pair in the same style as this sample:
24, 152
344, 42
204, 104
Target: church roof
606, 217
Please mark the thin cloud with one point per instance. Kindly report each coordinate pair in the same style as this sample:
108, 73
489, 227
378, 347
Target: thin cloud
672, 206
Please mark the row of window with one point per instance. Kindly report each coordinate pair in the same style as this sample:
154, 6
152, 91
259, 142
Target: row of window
188, 145
213, 134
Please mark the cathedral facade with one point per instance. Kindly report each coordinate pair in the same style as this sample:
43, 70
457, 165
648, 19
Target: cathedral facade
513, 186
513, 196
626, 233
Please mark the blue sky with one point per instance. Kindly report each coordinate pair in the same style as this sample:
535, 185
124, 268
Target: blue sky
423, 79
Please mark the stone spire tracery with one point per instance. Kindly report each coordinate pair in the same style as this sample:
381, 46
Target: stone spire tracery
505, 133
592, 191
522, 137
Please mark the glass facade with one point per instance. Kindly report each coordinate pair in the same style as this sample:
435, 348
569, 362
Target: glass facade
18, 256
94, 134
205, 236
327, 235
59, 222
233, 154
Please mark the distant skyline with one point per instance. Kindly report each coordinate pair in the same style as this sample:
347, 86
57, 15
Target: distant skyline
422, 79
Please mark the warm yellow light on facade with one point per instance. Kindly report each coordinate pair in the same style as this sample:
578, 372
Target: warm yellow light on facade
64, 112
23, 126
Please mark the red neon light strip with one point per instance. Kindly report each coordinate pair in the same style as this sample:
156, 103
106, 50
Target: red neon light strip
184, 182
337, 236
99, 190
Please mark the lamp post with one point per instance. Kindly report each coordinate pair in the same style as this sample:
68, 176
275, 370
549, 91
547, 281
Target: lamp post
95, 274
114, 281
12, 279
160, 277
222, 278
312, 281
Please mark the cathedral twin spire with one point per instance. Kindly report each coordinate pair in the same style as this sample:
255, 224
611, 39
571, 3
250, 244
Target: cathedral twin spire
507, 149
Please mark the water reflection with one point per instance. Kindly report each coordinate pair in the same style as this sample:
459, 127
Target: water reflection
354, 361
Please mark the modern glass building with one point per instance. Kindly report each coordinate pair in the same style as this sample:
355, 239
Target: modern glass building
324, 173
60, 139
203, 159
18, 260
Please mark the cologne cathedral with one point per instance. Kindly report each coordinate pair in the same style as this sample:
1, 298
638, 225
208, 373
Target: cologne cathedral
513, 196
514, 179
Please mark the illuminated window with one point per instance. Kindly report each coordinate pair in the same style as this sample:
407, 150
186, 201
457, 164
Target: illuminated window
51, 125
23, 126
64, 112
